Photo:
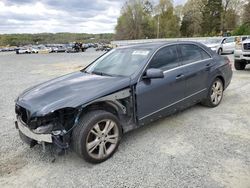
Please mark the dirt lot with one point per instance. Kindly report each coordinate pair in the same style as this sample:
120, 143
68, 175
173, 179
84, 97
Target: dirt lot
200, 147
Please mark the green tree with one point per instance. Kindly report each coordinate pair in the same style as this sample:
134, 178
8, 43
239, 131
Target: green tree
246, 13
211, 17
244, 29
186, 29
48, 38
136, 20
230, 16
192, 18
178, 11
231, 20
168, 21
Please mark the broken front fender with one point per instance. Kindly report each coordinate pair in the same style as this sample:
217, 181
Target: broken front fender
71, 90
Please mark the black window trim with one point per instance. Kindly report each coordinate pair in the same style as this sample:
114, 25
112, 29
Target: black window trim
177, 53
181, 56
149, 60
180, 64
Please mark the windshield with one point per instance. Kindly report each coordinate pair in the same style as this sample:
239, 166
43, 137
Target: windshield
119, 62
213, 41
246, 37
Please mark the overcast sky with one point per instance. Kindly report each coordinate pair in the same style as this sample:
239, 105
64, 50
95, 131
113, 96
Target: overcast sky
79, 16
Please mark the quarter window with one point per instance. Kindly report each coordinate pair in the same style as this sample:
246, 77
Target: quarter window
191, 53
165, 59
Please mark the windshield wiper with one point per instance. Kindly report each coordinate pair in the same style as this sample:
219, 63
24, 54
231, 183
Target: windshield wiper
84, 71
100, 73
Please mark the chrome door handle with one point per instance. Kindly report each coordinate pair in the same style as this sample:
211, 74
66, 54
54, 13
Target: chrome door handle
179, 76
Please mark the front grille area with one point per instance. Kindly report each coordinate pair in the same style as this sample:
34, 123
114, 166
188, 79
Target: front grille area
246, 46
23, 114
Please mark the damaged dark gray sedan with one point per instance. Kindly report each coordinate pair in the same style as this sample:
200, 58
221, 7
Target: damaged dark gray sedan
124, 89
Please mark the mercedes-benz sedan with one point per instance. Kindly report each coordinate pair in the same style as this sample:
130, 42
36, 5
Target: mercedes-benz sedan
124, 89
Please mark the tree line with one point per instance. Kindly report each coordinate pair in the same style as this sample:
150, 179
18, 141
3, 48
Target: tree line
52, 38
142, 19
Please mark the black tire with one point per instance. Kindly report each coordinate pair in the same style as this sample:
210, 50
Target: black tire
82, 131
239, 64
220, 51
209, 101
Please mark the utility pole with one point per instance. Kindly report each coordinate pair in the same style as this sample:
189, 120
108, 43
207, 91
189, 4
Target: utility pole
158, 26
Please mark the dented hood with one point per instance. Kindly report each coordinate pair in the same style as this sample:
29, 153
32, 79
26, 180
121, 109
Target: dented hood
71, 90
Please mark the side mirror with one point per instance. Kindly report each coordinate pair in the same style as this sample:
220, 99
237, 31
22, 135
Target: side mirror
153, 73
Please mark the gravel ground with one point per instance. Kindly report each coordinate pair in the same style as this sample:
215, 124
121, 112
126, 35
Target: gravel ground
199, 147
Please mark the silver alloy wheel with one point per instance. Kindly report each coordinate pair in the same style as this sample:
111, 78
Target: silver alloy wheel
102, 139
217, 92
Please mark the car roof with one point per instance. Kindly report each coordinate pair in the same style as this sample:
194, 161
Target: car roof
156, 45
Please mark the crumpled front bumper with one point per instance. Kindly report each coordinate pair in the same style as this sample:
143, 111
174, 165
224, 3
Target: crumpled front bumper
61, 141
27, 132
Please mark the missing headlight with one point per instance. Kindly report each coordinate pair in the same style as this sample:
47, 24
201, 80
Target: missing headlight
46, 129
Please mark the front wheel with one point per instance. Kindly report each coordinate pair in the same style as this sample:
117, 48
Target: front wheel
215, 94
239, 64
97, 136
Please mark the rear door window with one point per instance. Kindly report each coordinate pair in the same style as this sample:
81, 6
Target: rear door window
229, 40
166, 58
192, 53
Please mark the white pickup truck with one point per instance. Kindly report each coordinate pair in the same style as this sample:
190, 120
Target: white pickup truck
242, 53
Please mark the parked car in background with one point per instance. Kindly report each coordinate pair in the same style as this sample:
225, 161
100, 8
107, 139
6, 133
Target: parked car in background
242, 52
70, 48
221, 45
122, 90
8, 49
43, 49
58, 49
76, 47
108, 47
214, 44
104, 47
85, 47
23, 50
100, 47
228, 45
34, 49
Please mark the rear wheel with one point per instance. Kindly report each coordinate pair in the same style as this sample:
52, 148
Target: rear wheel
97, 136
215, 94
220, 51
239, 64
